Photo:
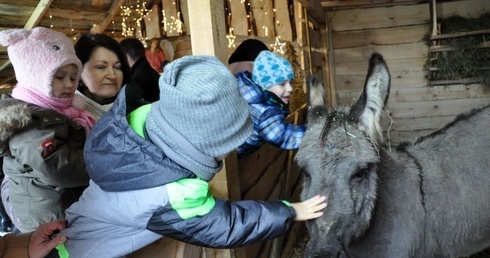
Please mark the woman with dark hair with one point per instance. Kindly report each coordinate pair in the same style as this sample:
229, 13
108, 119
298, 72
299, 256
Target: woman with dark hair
105, 71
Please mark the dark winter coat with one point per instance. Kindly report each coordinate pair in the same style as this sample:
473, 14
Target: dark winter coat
144, 80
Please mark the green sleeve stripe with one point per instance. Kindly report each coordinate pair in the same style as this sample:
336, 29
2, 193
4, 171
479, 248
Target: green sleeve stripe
137, 119
62, 252
190, 197
287, 203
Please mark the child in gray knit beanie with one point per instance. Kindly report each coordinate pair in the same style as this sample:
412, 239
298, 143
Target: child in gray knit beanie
149, 168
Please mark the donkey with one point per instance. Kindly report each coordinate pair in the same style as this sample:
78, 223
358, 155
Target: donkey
430, 198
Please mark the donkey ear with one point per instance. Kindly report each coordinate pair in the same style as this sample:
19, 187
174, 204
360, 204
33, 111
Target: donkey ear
367, 110
317, 103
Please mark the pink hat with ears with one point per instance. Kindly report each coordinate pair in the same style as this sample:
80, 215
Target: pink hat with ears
37, 54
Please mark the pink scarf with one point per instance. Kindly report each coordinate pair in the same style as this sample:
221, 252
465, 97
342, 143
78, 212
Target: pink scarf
70, 107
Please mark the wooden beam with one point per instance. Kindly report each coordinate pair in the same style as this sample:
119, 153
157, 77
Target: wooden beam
283, 21
150, 4
153, 26
262, 12
5, 81
113, 11
239, 19
332, 98
74, 6
208, 27
367, 3
266, 40
329, 4
184, 11
97, 2
9, 9
314, 9
433, 16
33, 21
460, 34
38, 13
443, 48
171, 16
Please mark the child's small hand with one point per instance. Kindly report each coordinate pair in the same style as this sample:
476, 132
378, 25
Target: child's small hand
310, 209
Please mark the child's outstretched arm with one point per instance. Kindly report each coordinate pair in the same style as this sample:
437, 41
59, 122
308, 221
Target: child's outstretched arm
309, 209
194, 216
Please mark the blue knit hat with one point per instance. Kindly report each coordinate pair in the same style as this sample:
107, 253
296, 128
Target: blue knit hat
271, 69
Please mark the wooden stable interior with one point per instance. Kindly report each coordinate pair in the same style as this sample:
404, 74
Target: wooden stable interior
332, 40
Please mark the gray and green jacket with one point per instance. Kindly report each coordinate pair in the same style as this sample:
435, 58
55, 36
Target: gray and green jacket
42, 152
138, 195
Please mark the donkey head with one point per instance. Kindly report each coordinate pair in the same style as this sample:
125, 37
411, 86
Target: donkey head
339, 156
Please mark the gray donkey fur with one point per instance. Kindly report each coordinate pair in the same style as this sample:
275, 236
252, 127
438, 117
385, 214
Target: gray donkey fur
429, 198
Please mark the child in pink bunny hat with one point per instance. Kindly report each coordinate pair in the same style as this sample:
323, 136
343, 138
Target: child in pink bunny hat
37, 55
43, 128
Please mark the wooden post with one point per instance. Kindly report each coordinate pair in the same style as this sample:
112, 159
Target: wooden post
283, 21
152, 24
208, 27
33, 21
301, 27
170, 15
330, 80
307, 36
433, 55
239, 20
38, 13
433, 8
263, 16
185, 15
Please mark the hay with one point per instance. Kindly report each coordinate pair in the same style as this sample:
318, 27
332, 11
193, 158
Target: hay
468, 59
298, 96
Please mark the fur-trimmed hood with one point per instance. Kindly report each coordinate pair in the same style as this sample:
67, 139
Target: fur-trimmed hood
14, 115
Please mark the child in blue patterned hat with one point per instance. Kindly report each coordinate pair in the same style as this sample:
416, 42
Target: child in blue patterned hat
267, 93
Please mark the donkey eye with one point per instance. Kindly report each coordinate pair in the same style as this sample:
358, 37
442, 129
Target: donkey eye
360, 173
305, 172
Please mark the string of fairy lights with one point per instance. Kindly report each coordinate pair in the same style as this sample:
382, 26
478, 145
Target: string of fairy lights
72, 31
278, 46
173, 23
133, 13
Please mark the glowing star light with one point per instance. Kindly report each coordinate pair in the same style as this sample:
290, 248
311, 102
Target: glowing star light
278, 46
231, 39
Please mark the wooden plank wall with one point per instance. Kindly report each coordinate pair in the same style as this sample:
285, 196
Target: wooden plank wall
398, 34
253, 22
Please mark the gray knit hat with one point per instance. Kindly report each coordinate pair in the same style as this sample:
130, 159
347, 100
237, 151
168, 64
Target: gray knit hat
200, 100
